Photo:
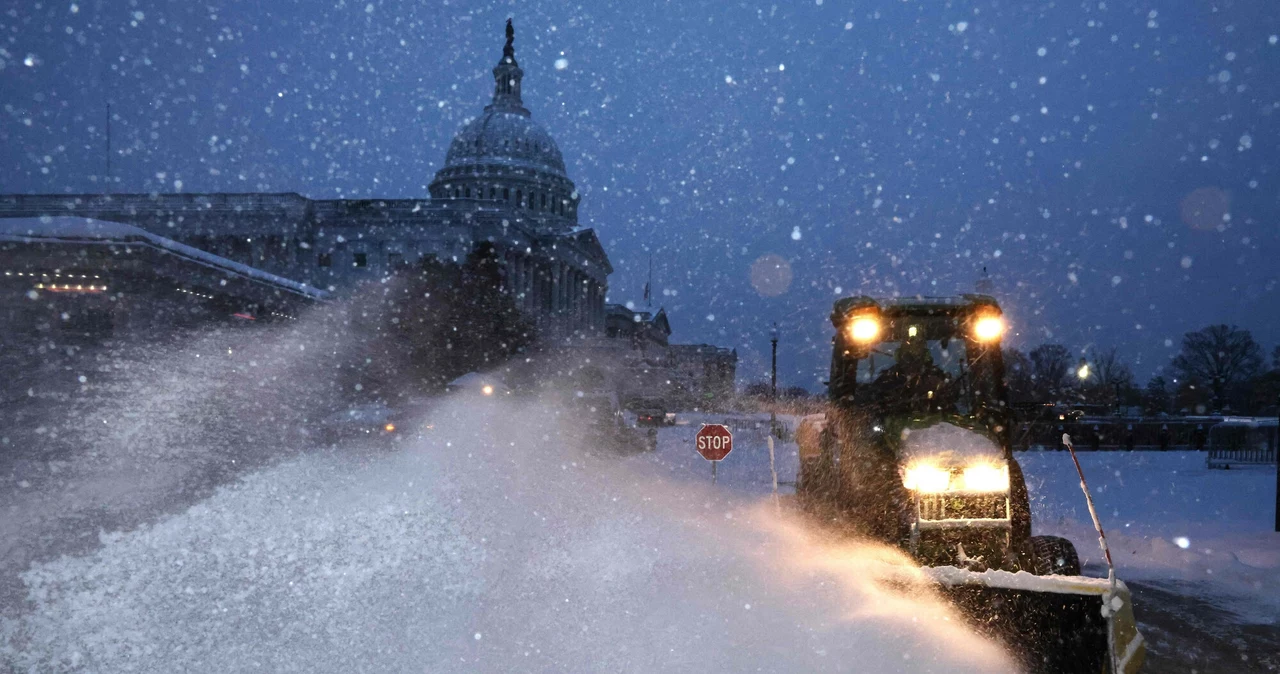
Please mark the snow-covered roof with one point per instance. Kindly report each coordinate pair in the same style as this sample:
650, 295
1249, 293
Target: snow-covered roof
949, 444
71, 229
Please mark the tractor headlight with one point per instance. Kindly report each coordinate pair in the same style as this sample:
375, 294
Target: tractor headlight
988, 328
864, 329
927, 478
985, 477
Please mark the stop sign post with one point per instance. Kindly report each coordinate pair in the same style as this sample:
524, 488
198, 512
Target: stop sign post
714, 442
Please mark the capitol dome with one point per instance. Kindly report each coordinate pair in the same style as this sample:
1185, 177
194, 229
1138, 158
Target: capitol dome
505, 158
508, 138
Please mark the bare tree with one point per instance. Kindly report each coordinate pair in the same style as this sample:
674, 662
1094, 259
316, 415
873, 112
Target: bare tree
1051, 372
1018, 376
1112, 380
1156, 397
1220, 358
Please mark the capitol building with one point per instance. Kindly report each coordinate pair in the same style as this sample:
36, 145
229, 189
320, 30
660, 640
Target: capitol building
132, 263
503, 182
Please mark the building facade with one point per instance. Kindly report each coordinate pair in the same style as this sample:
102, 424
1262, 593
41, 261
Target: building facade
503, 182
646, 366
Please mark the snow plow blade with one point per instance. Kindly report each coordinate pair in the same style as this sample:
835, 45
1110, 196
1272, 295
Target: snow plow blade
1050, 623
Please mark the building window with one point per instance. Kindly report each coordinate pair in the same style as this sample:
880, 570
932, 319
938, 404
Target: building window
506, 194
325, 260
519, 199
468, 192
493, 193
395, 260
544, 201
362, 260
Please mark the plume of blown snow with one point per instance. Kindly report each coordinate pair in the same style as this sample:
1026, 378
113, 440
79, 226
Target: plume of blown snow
494, 544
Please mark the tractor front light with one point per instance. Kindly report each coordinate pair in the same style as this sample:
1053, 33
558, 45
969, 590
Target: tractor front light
864, 329
926, 478
988, 328
985, 477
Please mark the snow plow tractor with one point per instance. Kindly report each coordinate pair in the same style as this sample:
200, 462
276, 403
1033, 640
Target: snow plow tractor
914, 451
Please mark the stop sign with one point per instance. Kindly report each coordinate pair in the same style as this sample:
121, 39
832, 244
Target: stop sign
714, 442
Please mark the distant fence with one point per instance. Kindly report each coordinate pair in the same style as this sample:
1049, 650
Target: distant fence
1115, 433
1228, 440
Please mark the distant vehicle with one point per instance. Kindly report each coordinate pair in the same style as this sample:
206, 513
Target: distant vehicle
651, 413
374, 421
600, 419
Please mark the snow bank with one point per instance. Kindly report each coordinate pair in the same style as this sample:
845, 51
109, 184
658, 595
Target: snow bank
489, 546
1168, 519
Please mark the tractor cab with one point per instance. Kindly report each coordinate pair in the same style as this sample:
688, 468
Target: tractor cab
916, 358
918, 450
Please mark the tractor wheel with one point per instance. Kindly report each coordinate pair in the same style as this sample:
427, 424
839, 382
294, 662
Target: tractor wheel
1055, 556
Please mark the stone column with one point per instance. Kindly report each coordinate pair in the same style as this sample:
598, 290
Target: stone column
517, 279
575, 292
540, 281
597, 313
562, 291
524, 283
600, 307
583, 303
555, 287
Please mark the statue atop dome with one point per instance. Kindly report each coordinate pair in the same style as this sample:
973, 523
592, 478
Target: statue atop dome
509, 50
506, 78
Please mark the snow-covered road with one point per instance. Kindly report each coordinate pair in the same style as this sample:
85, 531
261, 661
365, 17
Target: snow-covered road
492, 545
489, 546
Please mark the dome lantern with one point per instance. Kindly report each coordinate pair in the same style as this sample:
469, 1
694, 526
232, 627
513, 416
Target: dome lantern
506, 79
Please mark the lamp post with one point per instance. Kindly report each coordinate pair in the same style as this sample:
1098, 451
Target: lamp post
773, 411
773, 382
773, 338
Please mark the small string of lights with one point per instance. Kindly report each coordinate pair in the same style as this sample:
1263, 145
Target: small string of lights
56, 274
277, 313
68, 288
192, 292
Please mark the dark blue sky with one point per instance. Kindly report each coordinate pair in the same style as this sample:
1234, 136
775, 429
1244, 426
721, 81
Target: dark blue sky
905, 144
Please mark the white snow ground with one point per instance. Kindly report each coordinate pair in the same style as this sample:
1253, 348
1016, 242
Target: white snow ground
1168, 520
490, 546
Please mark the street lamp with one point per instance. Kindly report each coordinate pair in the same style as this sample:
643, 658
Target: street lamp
773, 337
773, 411
1082, 371
773, 386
